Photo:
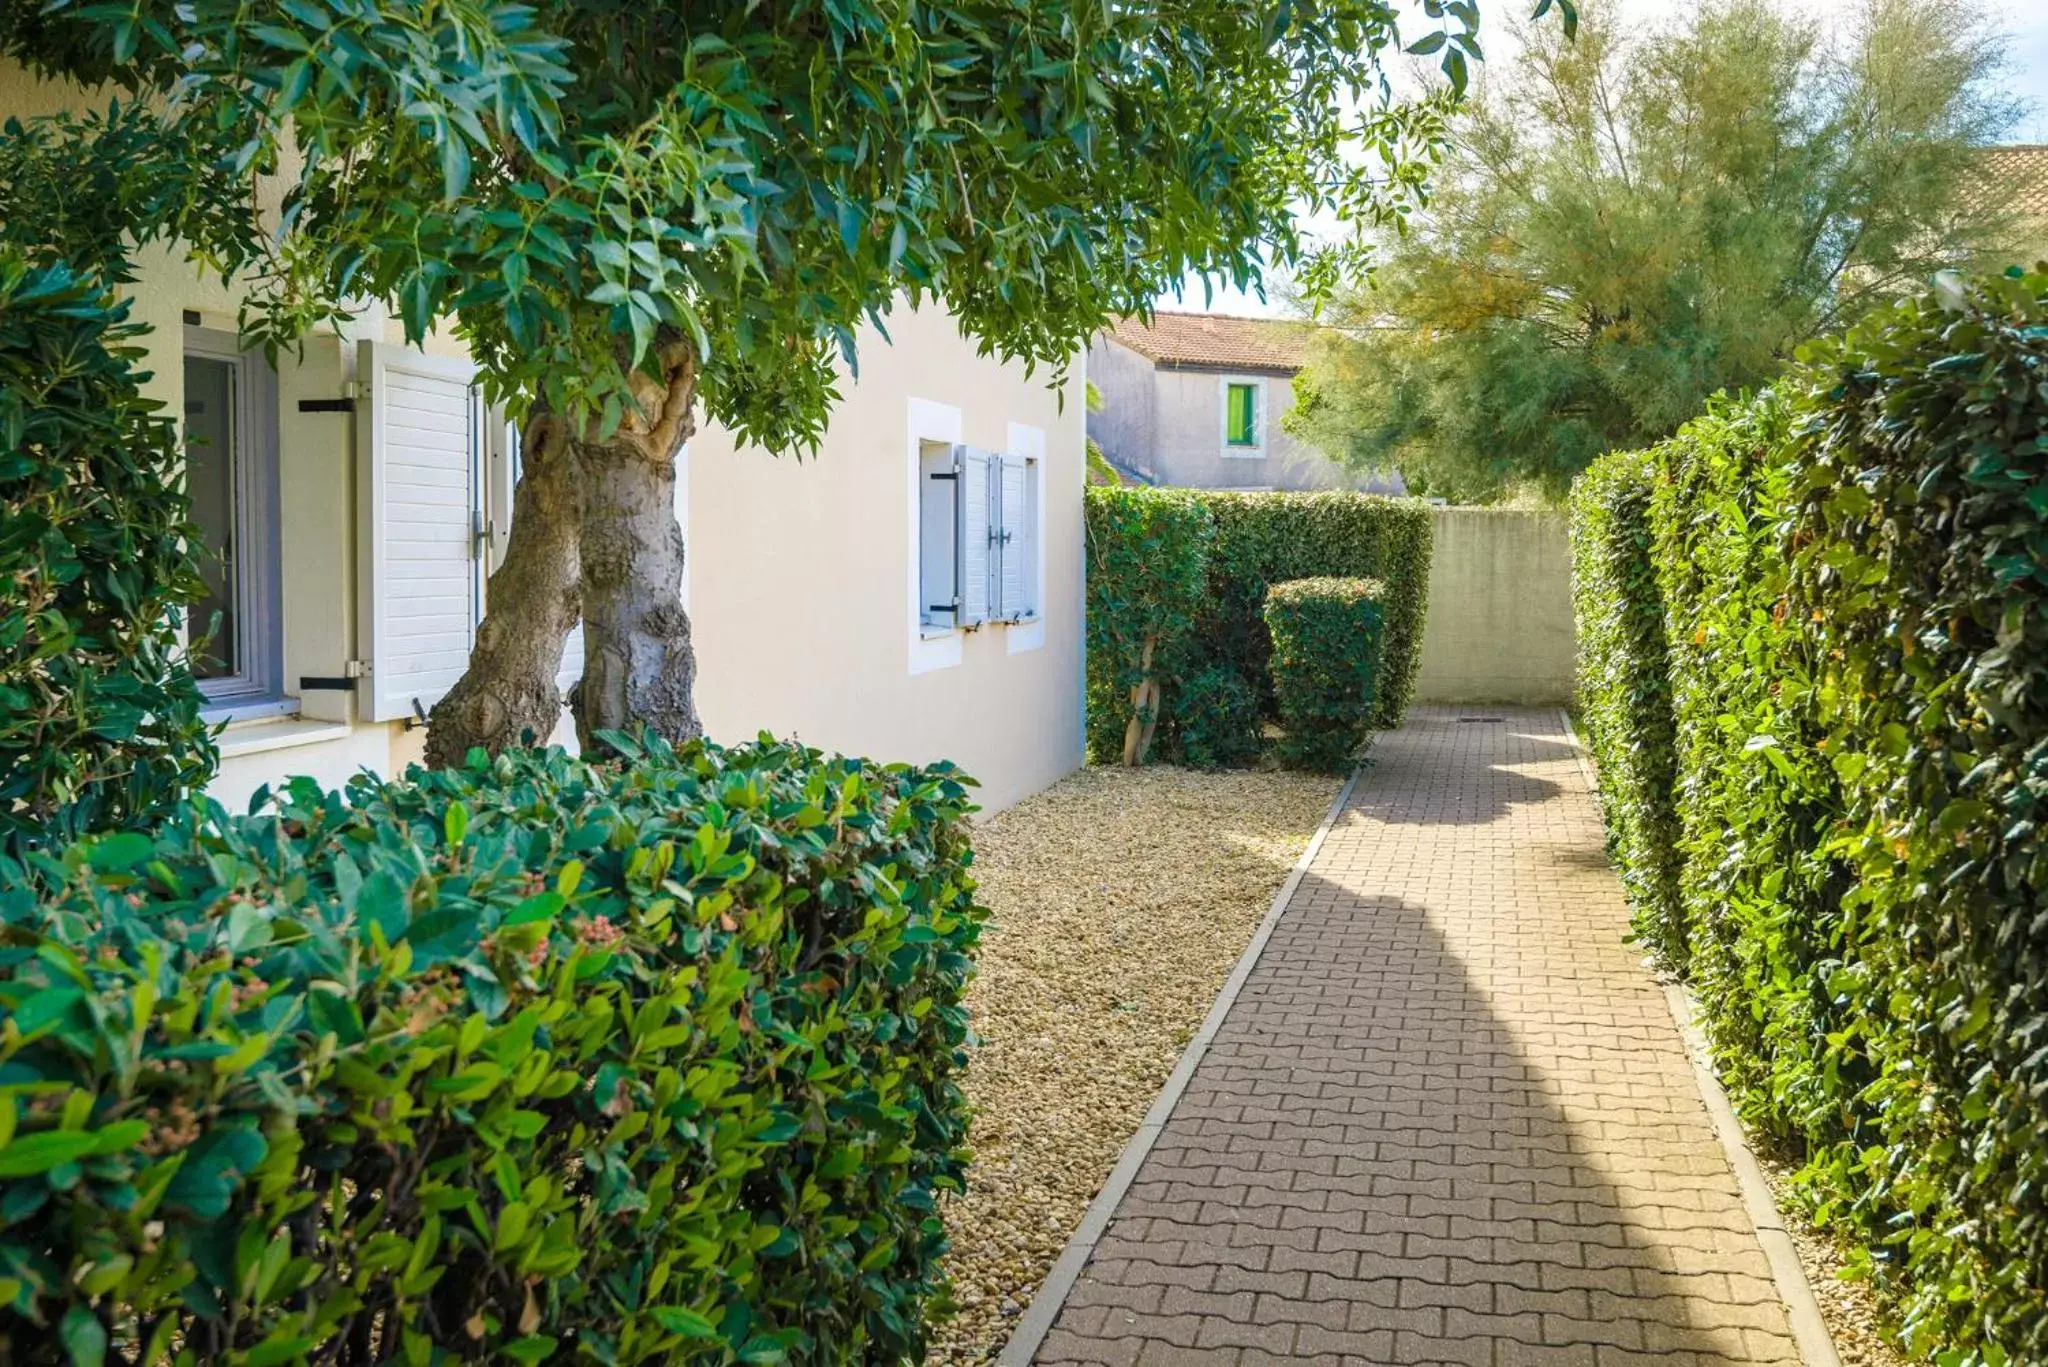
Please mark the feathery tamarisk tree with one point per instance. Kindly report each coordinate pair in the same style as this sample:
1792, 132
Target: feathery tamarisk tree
634, 213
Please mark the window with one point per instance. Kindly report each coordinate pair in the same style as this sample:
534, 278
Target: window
1241, 434
231, 476
977, 543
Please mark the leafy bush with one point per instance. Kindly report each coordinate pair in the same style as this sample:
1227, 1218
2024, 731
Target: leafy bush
1858, 629
1625, 687
1216, 719
1147, 549
1177, 583
1917, 531
1327, 638
1267, 538
642, 1064
99, 713
1754, 793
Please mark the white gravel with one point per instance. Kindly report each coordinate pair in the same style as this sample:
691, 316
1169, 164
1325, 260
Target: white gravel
1120, 900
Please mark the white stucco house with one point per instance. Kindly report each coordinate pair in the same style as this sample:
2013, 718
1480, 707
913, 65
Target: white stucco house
1196, 401
913, 592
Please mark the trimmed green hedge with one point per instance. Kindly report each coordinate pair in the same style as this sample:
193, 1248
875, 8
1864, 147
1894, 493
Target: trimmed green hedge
1216, 720
1267, 539
99, 713
1147, 550
1624, 680
1183, 575
1852, 581
526, 1061
1327, 637
1755, 795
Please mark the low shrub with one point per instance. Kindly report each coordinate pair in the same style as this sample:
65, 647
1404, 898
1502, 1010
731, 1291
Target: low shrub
1327, 636
1624, 687
1216, 719
1857, 625
531, 1060
1147, 552
1263, 539
99, 713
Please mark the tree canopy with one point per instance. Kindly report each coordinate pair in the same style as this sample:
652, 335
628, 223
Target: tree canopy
562, 182
634, 213
1629, 222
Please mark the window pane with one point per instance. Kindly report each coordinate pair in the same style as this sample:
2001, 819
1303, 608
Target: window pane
210, 479
1243, 415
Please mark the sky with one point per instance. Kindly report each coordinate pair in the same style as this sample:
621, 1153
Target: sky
2024, 21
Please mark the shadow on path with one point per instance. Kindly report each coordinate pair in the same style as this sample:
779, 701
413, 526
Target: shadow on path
1449, 1118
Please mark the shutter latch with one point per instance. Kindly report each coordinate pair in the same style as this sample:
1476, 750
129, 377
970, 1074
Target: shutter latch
335, 683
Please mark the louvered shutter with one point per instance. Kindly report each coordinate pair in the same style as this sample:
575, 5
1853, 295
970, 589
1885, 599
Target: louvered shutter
419, 458
571, 672
1014, 541
979, 520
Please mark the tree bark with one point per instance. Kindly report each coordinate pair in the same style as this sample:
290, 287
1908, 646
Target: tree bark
638, 668
508, 695
1145, 696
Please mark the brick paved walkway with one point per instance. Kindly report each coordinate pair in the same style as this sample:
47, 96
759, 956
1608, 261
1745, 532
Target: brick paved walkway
1449, 1120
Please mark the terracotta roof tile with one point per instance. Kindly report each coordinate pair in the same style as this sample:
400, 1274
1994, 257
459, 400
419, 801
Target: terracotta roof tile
2018, 177
1216, 341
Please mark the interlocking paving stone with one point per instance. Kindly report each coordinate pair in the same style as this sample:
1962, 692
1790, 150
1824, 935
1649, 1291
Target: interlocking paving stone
1449, 1120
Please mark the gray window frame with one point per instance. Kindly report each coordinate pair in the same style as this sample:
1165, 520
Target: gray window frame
256, 687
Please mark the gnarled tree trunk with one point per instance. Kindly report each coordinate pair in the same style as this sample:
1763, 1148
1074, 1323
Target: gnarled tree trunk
638, 667
1145, 698
508, 695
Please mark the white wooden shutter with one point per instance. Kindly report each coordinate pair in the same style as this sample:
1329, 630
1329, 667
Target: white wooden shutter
1013, 543
571, 672
418, 455
979, 520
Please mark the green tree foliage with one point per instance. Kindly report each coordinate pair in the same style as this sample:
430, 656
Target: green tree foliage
1628, 223
634, 213
529, 1061
1856, 643
99, 713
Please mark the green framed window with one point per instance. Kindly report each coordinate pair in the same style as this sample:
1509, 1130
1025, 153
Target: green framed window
1241, 415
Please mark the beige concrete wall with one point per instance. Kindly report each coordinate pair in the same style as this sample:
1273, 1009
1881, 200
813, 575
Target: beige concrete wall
801, 576
1500, 609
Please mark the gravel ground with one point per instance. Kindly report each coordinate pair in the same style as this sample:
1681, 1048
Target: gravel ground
1120, 900
1851, 1311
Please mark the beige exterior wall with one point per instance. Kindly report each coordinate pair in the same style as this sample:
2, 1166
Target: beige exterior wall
800, 575
1500, 609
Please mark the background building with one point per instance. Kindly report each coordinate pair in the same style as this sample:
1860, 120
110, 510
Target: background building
1196, 400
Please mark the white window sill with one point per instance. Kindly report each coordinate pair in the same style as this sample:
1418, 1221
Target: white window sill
1244, 453
277, 733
